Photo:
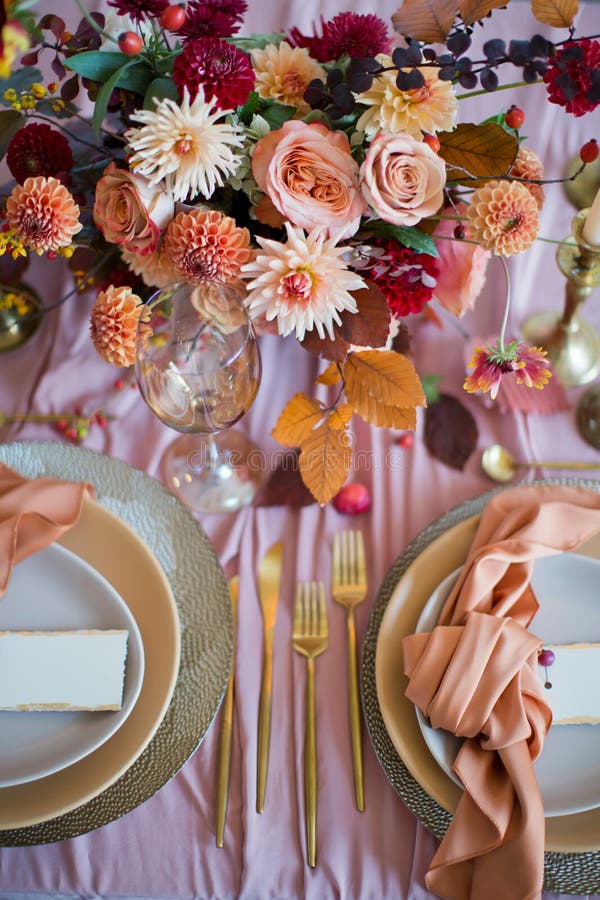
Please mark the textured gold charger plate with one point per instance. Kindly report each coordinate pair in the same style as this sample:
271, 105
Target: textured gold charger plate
572, 860
162, 563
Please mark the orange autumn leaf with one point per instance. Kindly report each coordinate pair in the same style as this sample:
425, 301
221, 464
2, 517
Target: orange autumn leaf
297, 420
474, 10
383, 388
485, 150
557, 13
425, 20
330, 376
325, 460
340, 417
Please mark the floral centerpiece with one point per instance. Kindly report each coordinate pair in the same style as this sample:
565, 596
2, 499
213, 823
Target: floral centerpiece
321, 175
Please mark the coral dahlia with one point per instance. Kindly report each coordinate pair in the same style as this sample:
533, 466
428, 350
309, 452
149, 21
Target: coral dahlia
304, 283
204, 245
43, 214
503, 217
529, 165
283, 73
154, 269
218, 68
38, 149
568, 79
114, 325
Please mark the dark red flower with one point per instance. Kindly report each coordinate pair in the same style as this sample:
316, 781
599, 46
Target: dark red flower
212, 18
38, 149
139, 10
347, 33
569, 77
223, 71
405, 277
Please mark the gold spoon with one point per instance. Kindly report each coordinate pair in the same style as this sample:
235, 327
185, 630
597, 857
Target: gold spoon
500, 465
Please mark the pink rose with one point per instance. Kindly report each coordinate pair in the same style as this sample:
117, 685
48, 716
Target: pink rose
462, 268
131, 211
402, 179
309, 174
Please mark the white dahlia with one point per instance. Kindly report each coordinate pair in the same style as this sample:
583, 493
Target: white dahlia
184, 147
304, 283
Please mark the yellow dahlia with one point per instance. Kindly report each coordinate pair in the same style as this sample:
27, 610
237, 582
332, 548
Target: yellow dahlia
304, 283
283, 73
428, 109
42, 214
114, 324
503, 217
154, 269
183, 146
204, 245
529, 165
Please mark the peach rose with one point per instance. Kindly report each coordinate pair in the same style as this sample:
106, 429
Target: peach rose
131, 211
462, 268
309, 174
402, 179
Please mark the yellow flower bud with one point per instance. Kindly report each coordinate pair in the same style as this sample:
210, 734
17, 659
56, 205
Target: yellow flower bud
10, 95
38, 91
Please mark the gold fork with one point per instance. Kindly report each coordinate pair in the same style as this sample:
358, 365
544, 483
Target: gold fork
309, 638
349, 588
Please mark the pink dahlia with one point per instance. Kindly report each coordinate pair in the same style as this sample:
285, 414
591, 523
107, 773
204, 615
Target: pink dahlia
43, 214
568, 77
38, 149
114, 325
407, 279
212, 18
221, 69
347, 33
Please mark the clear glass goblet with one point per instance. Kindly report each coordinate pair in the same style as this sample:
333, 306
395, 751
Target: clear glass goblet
198, 368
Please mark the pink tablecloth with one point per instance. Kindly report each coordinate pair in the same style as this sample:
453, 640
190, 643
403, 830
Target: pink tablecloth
166, 847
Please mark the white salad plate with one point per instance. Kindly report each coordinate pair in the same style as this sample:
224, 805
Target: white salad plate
55, 590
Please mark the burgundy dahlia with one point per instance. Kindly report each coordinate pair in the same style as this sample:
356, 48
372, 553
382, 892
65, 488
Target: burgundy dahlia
139, 10
212, 18
408, 280
223, 71
569, 79
347, 33
38, 149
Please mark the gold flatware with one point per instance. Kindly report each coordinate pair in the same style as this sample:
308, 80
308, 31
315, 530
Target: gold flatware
349, 588
500, 465
309, 638
226, 728
269, 578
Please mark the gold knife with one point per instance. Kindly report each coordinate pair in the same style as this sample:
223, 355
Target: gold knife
226, 727
269, 578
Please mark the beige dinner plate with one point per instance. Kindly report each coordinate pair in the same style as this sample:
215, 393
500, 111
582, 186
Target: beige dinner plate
569, 833
104, 541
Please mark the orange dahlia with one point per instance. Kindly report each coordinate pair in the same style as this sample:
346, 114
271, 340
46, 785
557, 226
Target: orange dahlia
503, 217
205, 245
43, 214
114, 324
529, 165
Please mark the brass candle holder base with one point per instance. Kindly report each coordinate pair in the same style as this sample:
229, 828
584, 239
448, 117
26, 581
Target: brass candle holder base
573, 345
21, 315
588, 416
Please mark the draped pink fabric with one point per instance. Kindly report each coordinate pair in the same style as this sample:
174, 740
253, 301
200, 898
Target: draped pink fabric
33, 514
475, 676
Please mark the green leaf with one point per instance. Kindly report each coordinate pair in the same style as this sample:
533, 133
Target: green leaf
104, 96
249, 108
158, 90
430, 384
10, 122
66, 112
164, 64
99, 65
20, 80
257, 41
276, 115
405, 235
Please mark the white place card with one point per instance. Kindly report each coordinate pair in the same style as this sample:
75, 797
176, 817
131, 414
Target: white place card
573, 697
62, 670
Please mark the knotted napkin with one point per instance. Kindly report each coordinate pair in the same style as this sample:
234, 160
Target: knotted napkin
33, 514
475, 676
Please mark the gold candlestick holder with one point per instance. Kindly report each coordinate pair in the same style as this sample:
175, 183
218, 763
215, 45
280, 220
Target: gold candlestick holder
573, 345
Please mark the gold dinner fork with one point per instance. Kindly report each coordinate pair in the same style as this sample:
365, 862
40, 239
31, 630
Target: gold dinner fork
309, 638
349, 588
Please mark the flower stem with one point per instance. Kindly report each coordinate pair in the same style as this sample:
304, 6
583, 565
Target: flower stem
501, 87
506, 306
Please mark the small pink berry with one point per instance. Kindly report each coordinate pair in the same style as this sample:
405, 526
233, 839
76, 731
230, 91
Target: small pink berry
546, 658
354, 498
119, 384
405, 440
71, 433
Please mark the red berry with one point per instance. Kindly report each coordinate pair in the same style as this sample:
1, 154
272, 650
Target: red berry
432, 141
173, 17
61, 425
119, 384
71, 433
130, 43
459, 233
405, 440
51, 254
354, 498
589, 152
514, 118
100, 420
546, 657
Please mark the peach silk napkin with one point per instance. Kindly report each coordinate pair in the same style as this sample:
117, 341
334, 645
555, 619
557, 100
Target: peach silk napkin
475, 675
33, 514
